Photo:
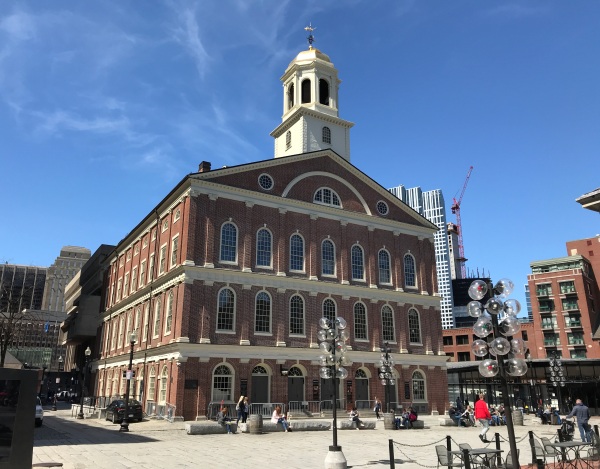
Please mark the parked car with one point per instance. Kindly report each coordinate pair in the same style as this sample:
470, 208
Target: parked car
39, 413
115, 411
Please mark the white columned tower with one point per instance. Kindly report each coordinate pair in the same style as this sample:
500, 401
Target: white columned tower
310, 119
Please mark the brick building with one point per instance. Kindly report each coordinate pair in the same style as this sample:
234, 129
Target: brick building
225, 280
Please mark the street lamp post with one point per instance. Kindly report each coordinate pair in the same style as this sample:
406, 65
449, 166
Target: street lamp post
385, 372
497, 327
125, 423
557, 376
60, 368
87, 353
333, 336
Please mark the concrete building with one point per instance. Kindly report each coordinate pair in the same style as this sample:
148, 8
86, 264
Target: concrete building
590, 201
225, 280
431, 205
66, 265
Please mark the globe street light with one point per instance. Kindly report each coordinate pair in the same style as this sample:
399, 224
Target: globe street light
385, 372
496, 323
87, 353
125, 423
333, 336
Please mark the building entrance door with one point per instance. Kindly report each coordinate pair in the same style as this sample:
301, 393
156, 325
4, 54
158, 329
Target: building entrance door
259, 392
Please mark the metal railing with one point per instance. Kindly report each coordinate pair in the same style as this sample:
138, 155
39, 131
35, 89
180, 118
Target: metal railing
365, 404
328, 404
308, 408
265, 408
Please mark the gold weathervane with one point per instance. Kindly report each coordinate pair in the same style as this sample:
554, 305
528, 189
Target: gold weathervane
310, 37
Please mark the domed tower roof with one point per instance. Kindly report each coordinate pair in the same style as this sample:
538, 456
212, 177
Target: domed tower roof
310, 55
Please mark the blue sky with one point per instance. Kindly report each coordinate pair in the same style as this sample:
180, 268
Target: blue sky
105, 106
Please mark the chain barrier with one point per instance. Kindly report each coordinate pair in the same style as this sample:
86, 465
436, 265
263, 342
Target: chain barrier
421, 446
408, 458
516, 441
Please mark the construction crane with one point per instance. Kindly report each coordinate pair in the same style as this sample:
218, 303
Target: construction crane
456, 210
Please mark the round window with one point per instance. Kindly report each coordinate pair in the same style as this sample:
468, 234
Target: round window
382, 208
265, 182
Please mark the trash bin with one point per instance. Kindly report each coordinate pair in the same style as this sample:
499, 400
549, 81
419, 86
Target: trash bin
255, 424
554, 419
389, 421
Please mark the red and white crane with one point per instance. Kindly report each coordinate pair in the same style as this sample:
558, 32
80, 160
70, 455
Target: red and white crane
456, 210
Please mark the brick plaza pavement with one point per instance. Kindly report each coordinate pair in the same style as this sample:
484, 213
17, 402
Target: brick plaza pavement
156, 444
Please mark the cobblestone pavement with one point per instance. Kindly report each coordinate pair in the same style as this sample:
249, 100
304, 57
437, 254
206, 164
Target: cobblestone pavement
157, 444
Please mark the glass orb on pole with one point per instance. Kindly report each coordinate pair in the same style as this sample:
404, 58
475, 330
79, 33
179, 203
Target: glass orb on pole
385, 372
87, 354
332, 337
557, 377
496, 324
128, 376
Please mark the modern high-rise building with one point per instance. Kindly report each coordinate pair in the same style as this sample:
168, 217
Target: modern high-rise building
528, 303
430, 204
66, 265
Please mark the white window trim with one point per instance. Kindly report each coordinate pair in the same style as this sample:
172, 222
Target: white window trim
364, 270
170, 303
270, 266
390, 283
395, 341
270, 333
173, 262
237, 243
424, 385
332, 194
334, 275
366, 322
303, 315
303, 254
156, 330
233, 322
162, 249
416, 285
420, 329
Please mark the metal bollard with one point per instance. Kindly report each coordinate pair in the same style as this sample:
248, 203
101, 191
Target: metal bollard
392, 461
532, 444
499, 455
466, 459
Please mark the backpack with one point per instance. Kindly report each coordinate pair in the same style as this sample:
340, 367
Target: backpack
412, 417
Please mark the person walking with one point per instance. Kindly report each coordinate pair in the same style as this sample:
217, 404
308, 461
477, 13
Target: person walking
482, 413
377, 408
240, 410
581, 411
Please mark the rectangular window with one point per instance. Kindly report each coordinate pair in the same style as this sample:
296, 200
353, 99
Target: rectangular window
360, 322
448, 340
162, 263
543, 290
575, 338
578, 354
464, 356
151, 268
387, 324
126, 285
462, 340
121, 331
297, 315
142, 273
134, 279
119, 285
146, 319
567, 287
569, 305
573, 320
551, 340
174, 248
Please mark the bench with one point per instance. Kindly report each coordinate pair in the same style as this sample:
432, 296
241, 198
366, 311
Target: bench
447, 422
297, 426
418, 425
350, 425
208, 428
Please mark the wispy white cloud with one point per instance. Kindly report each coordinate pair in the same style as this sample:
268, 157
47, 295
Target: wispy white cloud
19, 26
187, 33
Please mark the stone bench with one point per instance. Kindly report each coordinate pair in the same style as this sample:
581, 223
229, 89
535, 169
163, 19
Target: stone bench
297, 426
208, 428
447, 422
417, 425
350, 425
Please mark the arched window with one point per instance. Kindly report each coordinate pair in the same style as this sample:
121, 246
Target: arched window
164, 379
169, 318
418, 387
327, 258
329, 309
326, 135
263, 248
290, 96
262, 322
358, 263
225, 310
323, 92
151, 384
387, 324
288, 140
157, 314
360, 321
295, 371
297, 253
259, 370
326, 196
121, 331
409, 271
384, 267
296, 315
414, 327
222, 384
360, 374
228, 243
306, 98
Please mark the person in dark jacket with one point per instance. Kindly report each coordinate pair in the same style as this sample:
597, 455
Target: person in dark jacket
581, 411
224, 420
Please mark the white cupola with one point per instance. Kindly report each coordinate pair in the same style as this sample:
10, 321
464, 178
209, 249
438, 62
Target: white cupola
310, 119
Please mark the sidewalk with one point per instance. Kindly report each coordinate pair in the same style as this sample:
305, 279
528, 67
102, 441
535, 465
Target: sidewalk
158, 444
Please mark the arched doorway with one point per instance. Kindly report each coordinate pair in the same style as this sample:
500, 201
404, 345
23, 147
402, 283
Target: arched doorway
361, 381
260, 385
295, 385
